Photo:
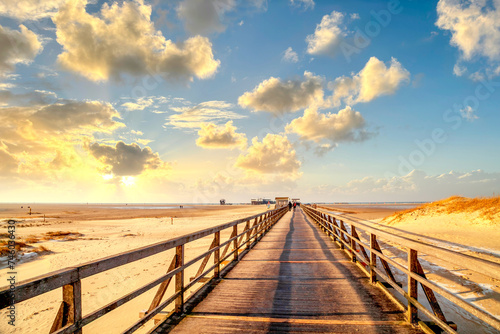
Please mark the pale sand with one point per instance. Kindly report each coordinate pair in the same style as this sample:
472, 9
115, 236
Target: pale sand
466, 233
107, 235
36, 315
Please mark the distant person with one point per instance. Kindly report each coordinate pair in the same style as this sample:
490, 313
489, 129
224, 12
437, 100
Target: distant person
268, 205
294, 206
289, 206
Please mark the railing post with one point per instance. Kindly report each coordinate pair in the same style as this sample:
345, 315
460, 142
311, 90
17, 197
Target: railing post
179, 279
373, 259
249, 234
71, 307
353, 244
235, 243
217, 255
412, 285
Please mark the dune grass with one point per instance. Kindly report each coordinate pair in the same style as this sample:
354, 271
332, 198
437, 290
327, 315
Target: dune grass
487, 207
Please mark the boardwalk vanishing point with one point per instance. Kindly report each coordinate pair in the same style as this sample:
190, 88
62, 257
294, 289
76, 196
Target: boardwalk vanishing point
294, 280
278, 271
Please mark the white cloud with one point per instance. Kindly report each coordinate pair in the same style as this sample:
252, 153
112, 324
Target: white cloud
29, 9
125, 159
123, 40
213, 136
459, 70
346, 126
306, 4
274, 155
204, 16
328, 35
193, 117
468, 113
280, 97
140, 104
290, 56
17, 47
374, 80
474, 26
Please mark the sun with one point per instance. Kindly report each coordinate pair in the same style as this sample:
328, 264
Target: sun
128, 181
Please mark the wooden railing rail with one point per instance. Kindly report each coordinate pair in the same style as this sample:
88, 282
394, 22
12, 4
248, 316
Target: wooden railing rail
69, 318
414, 271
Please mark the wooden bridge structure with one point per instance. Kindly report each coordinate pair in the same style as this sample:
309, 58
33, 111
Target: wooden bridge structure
279, 271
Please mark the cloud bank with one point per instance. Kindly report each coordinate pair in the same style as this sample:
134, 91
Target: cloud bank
193, 117
213, 136
345, 126
273, 155
328, 35
374, 80
125, 159
123, 40
17, 47
279, 97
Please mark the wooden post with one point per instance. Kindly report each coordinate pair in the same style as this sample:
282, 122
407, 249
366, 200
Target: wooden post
249, 233
217, 255
71, 307
373, 259
353, 244
412, 285
235, 243
179, 279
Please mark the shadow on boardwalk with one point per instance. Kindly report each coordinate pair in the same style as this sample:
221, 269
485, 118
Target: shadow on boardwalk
295, 280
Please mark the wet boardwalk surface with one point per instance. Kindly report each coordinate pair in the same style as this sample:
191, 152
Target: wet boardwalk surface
295, 280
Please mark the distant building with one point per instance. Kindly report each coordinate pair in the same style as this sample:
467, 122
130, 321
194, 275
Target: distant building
260, 201
282, 201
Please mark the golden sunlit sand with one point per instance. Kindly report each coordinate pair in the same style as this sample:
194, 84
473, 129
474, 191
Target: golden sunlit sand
74, 234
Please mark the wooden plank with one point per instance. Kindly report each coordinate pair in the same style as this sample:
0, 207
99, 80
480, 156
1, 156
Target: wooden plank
482, 266
361, 247
41, 284
431, 298
179, 279
60, 316
387, 269
275, 289
217, 255
373, 259
353, 244
233, 234
163, 287
235, 243
205, 260
412, 286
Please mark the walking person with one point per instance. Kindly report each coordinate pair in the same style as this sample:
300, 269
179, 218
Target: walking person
294, 206
289, 206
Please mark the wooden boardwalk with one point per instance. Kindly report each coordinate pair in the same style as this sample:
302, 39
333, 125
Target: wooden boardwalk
295, 280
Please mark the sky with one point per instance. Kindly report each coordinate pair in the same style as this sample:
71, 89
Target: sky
196, 100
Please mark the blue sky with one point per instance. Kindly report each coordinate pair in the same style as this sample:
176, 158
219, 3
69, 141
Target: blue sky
193, 101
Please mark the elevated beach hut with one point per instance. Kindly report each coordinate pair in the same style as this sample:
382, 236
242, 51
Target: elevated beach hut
282, 201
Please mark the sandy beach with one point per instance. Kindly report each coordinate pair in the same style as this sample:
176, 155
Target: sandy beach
97, 231
468, 232
75, 234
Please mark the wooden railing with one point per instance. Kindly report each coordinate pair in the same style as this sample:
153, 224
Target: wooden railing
365, 254
69, 318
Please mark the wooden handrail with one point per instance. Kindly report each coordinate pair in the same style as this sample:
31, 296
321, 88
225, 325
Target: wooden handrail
413, 269
69, 318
